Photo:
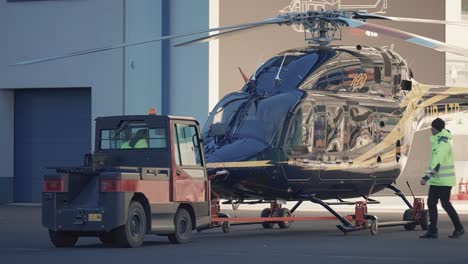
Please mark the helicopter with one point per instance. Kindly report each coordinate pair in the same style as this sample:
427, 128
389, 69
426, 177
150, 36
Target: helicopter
319, 122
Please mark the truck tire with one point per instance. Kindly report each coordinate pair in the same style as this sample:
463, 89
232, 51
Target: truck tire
183, 227
62, 239
132, 234
107, 238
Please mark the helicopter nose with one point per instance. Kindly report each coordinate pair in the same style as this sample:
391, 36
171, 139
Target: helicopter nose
239, 149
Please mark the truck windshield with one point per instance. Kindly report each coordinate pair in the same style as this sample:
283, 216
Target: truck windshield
133, 135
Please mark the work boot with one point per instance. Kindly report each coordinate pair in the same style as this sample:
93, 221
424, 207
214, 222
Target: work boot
457, 233
429, 234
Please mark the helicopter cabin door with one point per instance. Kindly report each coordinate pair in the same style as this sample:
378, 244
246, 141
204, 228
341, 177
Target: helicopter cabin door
298, 145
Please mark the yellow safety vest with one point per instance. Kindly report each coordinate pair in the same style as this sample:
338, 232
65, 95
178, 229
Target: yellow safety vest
142, 143
442, 166
125, 145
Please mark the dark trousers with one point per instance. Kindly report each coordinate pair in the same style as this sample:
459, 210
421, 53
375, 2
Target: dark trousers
442, 193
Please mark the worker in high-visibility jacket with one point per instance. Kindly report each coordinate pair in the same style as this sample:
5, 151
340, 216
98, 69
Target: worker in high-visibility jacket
139, 141
441, 178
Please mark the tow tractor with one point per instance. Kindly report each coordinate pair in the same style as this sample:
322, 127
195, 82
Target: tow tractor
147, 175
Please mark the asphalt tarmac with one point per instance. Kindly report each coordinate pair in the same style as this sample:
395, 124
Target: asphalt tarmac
24, 240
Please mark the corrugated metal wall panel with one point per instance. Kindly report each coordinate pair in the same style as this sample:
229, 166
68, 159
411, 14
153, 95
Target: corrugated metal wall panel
52, 128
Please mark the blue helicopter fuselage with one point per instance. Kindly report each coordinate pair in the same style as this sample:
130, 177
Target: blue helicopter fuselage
323, 121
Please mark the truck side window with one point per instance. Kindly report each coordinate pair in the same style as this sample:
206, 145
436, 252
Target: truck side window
186, 145
157, 138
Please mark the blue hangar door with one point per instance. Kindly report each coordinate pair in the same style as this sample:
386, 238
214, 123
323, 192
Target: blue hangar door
52, 128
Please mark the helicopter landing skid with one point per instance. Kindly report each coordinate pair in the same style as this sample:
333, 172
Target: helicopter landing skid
362, 220
359, 221
415, 215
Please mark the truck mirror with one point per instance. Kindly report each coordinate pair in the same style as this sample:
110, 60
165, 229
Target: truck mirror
195, 141
406, 85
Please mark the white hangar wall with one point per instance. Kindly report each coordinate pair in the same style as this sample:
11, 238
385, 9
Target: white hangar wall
120, 81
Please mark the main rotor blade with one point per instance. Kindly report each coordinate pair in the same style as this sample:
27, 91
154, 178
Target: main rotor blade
406, 36
407, 19
274, 20
219, 35
89, 51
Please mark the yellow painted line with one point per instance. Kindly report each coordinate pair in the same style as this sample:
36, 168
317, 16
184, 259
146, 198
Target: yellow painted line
432, 100
397, 133
448, 90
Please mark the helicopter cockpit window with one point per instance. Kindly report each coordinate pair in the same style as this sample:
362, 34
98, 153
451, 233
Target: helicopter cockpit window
222, 115
265, 119
273, 76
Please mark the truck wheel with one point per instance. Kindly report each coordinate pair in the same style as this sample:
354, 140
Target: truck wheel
408, 216
266, 213
133, 232
62, 239
107, 238
183, 227
284, 212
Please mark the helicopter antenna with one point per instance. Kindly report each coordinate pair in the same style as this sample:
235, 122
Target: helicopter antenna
277, 78
258, 66
305, 31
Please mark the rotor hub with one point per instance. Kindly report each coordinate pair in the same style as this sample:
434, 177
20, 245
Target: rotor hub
321, 25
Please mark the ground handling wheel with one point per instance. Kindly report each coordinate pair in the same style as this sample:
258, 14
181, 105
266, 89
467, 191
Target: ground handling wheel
226, 226
133, 232
183, 227
374, 227
267, 213
284, 212
425, 219
62, 239
408, 216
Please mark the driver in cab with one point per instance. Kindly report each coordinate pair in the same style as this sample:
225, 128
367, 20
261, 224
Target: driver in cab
138, 141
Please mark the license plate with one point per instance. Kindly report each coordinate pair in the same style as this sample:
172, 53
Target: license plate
94, 217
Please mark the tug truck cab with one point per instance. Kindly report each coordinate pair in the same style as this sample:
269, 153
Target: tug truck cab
147, 175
